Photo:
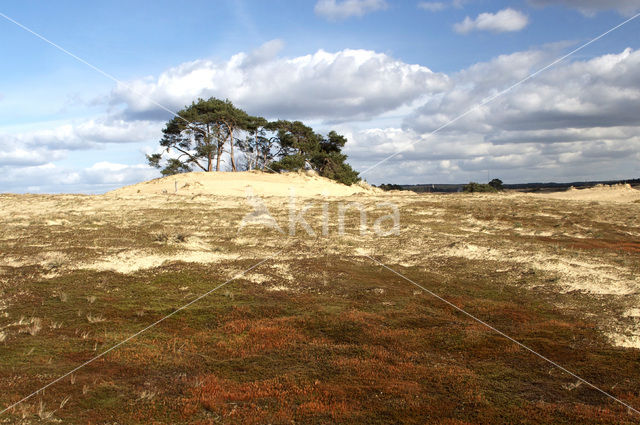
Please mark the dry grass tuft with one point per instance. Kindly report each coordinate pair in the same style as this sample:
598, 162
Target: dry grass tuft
95, 319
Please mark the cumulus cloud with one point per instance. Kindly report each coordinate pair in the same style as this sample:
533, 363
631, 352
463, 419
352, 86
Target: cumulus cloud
265, 53
459, 157
349, 84
575, 117
84, 135
98, 178
17, 156
27, 158
600, 92
335, 10
115, 175
590, 7
506, 20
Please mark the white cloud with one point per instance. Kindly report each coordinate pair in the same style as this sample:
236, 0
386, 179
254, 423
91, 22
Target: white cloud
19, 156
27, 158
349, 84
506, 20
432, 6
576, 121
84, 135
600, 92
337, 10
265, 53
590, 7
461, 157
113, 174
98, 178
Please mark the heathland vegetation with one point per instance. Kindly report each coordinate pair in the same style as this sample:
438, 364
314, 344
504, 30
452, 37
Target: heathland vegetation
316, 332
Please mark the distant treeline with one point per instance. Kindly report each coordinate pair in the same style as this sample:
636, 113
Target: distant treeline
523, 187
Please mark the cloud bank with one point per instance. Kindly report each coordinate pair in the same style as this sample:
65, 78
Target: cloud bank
346, 85
591, 7
575, 121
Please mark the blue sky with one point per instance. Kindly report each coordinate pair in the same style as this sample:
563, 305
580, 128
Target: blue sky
384, 73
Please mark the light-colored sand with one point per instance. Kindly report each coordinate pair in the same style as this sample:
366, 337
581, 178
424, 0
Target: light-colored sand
600, 193
134, 260
238, 184
592, 277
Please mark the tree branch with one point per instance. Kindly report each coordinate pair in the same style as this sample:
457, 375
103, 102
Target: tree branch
193, 159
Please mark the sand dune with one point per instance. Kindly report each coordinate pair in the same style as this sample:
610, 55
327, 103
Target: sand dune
237, 184
615, 193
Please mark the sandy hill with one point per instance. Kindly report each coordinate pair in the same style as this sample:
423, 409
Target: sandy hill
237, 184
605, 193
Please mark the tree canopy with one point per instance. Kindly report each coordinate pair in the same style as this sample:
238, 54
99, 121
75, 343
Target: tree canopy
210, 131
473, 187
496, 184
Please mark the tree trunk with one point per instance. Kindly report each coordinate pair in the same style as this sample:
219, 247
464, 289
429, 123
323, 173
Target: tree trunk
208, 143
233, 160
218, 158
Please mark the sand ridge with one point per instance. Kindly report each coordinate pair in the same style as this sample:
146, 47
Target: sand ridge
620, 193
240, 184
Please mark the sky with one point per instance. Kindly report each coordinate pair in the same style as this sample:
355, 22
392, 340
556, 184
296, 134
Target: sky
452, 91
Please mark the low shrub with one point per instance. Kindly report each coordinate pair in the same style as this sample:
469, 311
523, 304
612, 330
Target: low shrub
474, 187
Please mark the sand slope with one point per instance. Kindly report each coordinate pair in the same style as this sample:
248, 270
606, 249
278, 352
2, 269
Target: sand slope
604, 193
237, 184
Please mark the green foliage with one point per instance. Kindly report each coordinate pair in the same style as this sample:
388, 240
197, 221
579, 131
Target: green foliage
289, 163
302, 147
474, 187
199, 134
203, 131
171, 167
334, 167
391, 186
496, 184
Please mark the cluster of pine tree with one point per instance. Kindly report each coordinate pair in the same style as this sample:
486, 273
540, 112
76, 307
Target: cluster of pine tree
211, 131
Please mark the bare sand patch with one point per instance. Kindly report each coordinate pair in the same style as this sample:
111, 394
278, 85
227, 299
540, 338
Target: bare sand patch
574, 275
283, 270
134, 260
621, 193
634, 312
625, 340
256, 278
280, 288
241, 183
